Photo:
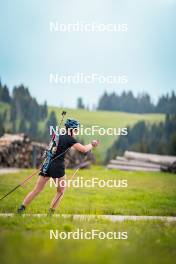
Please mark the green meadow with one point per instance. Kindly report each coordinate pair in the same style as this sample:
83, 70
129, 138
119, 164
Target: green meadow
145, 194
27, 238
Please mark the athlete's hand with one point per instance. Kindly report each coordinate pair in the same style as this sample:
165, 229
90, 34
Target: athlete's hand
95, 143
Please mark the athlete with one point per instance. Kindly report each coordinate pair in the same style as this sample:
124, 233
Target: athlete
56, 169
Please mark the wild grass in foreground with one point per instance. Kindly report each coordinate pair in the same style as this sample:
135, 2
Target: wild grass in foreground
27, 240
146, 194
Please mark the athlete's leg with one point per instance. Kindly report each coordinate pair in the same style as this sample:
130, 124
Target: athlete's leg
60, 192
37, 189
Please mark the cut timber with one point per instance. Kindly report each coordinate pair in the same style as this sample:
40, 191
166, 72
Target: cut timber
130, 168
17, 151
134, 163
120, 158
151, 158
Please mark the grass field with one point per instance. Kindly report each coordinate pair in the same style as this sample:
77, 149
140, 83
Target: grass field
26, 239
146, 194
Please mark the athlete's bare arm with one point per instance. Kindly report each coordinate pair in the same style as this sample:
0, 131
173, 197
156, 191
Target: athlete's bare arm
86, 148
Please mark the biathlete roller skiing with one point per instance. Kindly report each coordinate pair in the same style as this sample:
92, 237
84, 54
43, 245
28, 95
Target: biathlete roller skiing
53, 166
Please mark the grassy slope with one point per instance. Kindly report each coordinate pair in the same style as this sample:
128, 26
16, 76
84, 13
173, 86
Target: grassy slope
146, 194
3, 107
107, 119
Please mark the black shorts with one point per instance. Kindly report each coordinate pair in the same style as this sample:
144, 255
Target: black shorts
56, 170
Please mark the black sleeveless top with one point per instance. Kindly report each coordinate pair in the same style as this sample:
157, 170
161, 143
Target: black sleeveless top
57, 167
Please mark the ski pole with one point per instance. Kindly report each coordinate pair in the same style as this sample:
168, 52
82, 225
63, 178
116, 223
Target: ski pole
19, 185
28, 178
63, 114
34, 173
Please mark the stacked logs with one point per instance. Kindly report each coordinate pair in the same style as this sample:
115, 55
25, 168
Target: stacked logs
18, 151
135, 161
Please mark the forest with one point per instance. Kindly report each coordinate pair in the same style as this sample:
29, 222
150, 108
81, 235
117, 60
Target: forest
24, 114
142, 103
143, 137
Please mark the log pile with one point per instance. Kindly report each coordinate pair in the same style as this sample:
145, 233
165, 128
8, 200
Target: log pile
18, 151
135, 161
